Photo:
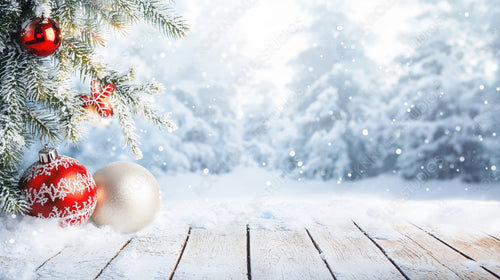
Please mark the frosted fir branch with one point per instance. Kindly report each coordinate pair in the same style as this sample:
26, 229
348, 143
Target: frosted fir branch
55, 96
11, 199
71, 114
103, 15
151, 88
2, 40
39, 124
127, 8
164, 17
76, 57
91, 35
41, 84
12, 90
9, 11
65, 14
128, 126
140, 105
158, 120
43, 8
145, 107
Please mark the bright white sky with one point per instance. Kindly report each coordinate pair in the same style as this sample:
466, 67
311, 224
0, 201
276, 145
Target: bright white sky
267, 25
386, 19
267, 20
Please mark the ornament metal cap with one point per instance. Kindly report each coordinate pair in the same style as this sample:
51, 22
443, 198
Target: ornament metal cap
47, 155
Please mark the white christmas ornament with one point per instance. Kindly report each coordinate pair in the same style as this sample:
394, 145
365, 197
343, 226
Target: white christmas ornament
128, 196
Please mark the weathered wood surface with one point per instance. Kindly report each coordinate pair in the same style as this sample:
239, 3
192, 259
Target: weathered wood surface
346, 249
214, 254
478, 246
282, 254
81, 261
350, 250
147, 257
420, 256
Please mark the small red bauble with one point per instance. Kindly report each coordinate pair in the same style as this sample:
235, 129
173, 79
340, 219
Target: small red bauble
98, 100
40, 37
59, 187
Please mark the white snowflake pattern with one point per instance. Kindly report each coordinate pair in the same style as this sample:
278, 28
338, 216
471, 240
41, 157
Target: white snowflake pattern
64, 187
75, 215
37, 169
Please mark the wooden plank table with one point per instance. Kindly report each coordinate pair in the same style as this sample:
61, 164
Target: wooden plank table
348, 250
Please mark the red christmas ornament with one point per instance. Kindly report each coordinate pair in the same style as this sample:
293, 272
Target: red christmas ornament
98, 101
59, 187
40, 37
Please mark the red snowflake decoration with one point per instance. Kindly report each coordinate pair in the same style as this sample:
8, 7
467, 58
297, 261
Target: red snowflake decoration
63, 189
98, 99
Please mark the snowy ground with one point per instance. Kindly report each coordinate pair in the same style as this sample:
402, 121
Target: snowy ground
270, 200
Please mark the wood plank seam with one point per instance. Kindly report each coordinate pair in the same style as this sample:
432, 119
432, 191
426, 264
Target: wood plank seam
321, 254
456, 250
249, 265
444, 242
47, 260
382, 250
430, 254
491, 272
114, 257
492, 236
180, 254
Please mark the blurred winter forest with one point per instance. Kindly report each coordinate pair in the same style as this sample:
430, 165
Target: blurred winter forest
332, 90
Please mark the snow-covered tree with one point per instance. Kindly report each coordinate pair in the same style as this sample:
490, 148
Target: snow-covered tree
207, 135
444, 104
434, 118
325, 124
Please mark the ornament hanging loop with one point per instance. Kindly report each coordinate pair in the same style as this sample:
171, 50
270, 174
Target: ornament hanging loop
45, 140
46, 154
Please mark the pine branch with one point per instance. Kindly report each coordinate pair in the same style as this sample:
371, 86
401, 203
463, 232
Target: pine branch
103, 14
40, 124
41, 85
48, 93
11, 199
163, 17
136, 97
91, 35
153, 115
128, 126
12, 99
70, 112
65, 14
11, 127
127, 8
76, 57
9, 11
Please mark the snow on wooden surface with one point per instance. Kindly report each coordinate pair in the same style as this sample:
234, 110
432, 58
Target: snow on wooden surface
282, 254
420, 256
346, 250
214, 254
147, 257
81, 261
24, 268
479, 246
